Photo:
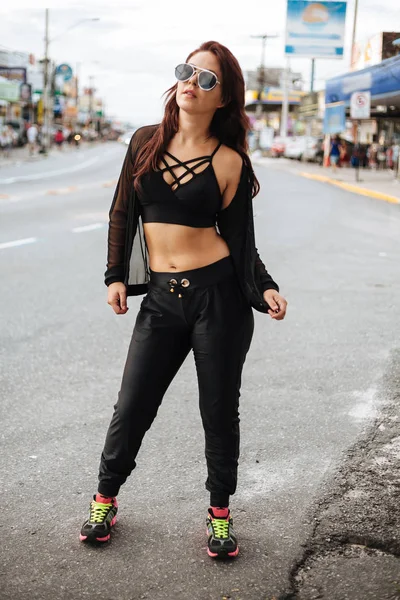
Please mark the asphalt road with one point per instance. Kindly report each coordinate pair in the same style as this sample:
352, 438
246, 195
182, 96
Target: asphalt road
312, 385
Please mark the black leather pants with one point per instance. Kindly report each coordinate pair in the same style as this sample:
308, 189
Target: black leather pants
206, 312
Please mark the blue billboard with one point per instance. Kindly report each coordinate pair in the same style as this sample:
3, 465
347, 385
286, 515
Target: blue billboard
315, 29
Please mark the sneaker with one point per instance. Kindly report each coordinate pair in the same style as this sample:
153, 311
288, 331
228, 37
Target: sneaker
222, 542
102, 517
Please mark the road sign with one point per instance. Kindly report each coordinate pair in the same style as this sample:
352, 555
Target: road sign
360, 105
65, 71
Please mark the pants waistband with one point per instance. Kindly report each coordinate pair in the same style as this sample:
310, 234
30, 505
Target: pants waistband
194, 278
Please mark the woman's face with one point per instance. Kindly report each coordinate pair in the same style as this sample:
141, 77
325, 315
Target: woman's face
198, 101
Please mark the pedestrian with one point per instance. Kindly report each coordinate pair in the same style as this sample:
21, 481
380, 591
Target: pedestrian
381, 157
6, 141
389, 157
395, 158
334, 153
59, 138
32, 134
363, 156
179, 180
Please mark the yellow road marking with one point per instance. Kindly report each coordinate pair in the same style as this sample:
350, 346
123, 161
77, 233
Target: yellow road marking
352, 188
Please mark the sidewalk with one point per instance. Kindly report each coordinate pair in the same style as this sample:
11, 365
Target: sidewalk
376, 184
21, 155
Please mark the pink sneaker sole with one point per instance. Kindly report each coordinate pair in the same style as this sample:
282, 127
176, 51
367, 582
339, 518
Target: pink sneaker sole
83, 538
215, 555
230, 554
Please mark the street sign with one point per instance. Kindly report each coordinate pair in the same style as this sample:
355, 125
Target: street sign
335, 118
65, 71
360, 105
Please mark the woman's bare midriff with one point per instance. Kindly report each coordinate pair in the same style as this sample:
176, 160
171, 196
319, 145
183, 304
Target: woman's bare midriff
175, 248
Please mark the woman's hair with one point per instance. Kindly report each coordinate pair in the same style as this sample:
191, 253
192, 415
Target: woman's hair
230, 123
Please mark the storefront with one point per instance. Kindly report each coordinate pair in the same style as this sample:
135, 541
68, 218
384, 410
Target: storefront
311, 112
383, 82
271, 100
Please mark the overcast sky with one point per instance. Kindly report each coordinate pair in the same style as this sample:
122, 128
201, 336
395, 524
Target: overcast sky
133, 49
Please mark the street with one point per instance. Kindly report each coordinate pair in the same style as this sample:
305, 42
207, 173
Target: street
313, 385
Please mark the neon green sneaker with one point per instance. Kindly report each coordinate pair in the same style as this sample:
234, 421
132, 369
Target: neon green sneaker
222, 542
102, 516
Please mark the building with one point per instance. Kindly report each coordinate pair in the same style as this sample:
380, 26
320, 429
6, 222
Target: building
272, 96
15, 88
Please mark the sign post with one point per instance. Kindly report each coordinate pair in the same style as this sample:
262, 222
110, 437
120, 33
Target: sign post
360, 105
360, 108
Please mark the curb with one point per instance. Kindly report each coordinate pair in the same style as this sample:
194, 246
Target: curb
352, 188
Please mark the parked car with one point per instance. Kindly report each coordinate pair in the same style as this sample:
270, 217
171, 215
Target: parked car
278, 146
302, 148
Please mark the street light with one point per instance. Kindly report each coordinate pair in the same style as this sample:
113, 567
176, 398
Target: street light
46, 120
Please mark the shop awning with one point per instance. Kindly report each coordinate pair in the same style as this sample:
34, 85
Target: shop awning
382, 80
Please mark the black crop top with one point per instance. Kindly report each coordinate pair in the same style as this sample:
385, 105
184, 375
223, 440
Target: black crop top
194, 202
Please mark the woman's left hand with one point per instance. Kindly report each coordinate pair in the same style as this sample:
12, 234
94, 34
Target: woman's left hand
277, 304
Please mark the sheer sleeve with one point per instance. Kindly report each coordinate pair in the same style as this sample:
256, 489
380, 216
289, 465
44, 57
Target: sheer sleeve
118, 220
236, 225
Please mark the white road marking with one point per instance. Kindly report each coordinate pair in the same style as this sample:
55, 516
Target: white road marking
58, 191
45, 175
17, 243
88, 227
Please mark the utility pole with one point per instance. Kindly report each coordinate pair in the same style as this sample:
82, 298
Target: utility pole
353, 37
312, 75
45, 95
91, 90
285, 100
47, 120
77, 75
261, 84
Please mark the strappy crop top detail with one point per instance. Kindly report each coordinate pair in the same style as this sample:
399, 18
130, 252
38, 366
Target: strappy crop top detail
192, 199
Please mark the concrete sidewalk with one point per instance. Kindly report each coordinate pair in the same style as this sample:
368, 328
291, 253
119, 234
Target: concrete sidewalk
381, 185
21, 155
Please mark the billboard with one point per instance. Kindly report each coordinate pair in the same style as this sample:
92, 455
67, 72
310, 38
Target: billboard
315, 29
16, 74
273, 96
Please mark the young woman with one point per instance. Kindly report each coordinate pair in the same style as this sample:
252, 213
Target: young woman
181, 230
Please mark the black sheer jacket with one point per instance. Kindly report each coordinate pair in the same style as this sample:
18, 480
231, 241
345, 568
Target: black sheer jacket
127, 259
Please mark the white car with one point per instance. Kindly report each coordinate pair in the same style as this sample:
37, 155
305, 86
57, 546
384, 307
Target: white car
301, 147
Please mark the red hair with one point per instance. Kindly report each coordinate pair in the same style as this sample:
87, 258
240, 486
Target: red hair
229, 125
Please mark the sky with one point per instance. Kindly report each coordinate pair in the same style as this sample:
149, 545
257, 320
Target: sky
131, 52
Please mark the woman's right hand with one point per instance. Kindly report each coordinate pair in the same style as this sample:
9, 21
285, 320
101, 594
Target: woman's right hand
116, 297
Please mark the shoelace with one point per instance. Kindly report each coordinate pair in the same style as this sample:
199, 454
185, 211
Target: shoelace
98, 511
221, 528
